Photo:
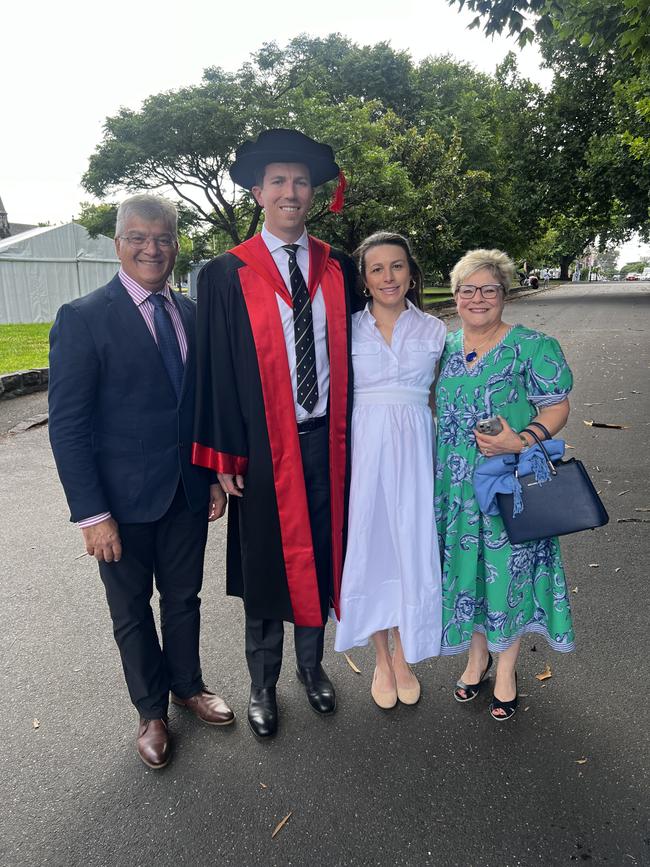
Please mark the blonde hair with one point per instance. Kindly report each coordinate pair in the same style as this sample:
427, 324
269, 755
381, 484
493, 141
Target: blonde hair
497, 262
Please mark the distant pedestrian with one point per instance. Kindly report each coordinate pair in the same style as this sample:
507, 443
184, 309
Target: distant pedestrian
545, 276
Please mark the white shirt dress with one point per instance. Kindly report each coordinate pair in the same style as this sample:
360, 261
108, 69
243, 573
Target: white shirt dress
391, 575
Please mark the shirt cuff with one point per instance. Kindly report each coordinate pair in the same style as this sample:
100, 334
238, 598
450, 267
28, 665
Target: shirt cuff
95, 519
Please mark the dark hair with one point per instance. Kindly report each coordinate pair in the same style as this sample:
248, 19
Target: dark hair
414, 293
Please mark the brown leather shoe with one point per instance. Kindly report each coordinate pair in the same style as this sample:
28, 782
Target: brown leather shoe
154, 743
208, 707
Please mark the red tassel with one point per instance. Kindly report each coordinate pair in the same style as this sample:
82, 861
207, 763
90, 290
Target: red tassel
338, 199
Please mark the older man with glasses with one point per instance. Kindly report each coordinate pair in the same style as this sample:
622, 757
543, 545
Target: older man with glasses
122, 392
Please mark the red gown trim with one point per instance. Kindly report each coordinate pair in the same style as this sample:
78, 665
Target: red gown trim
334, 295
220, 462
255, 253
291, 497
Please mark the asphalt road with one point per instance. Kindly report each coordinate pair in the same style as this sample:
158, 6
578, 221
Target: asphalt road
437, 784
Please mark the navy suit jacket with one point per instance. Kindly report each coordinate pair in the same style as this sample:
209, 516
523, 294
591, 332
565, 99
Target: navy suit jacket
120, 438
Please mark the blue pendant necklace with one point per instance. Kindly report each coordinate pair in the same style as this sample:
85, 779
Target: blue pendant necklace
473, 353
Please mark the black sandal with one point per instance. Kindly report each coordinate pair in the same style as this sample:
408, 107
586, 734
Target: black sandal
509, 707
472, 689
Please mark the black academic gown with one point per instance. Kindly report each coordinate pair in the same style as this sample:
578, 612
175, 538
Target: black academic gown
246, 423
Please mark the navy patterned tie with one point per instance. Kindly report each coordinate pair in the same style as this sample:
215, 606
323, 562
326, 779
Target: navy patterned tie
303, 329
167, 341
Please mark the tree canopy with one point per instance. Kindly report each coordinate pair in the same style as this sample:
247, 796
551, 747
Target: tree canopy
449, 156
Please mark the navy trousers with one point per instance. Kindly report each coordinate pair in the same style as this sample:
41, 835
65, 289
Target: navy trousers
170, 552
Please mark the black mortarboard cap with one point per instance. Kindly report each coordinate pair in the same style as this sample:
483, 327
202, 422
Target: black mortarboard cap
283, 146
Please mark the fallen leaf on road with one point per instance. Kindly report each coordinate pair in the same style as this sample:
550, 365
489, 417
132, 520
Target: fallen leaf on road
620, 398
642, 510
593, 404
581, 761
594, 565
620, 493
263, 786
575, 590
591, 423
618, 569
36, 723
351, 664
281, 824
634, 391
545, 674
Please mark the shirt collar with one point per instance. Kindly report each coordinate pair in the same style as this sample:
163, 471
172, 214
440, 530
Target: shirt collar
367, 311
275, 244
137, 292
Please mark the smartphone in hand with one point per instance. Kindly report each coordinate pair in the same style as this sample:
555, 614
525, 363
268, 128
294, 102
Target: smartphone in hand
489, 426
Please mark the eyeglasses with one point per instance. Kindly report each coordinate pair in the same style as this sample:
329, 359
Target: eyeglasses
489, 291
141, 241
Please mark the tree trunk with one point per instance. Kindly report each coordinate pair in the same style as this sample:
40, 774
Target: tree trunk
565, 261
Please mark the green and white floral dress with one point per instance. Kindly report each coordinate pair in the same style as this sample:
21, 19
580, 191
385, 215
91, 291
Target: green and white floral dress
489, 585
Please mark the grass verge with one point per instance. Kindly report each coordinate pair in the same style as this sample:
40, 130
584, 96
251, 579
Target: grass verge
23, 346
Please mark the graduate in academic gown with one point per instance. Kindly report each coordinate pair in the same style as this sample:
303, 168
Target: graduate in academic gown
274, 399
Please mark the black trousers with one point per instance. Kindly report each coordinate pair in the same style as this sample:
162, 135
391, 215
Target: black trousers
170, 551
264, 638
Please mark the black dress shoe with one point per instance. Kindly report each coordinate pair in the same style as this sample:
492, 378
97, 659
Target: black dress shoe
318, 687
263, 711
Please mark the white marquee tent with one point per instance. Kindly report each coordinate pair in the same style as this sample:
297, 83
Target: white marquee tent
43, 268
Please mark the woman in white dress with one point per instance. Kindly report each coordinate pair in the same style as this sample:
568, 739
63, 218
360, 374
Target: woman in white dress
391, 576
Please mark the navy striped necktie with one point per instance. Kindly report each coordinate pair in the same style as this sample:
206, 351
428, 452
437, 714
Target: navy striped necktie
167, 341
303, 329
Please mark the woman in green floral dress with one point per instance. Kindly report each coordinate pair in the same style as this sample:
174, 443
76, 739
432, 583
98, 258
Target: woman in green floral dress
493, 592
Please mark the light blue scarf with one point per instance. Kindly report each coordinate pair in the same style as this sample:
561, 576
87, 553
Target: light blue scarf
497, 475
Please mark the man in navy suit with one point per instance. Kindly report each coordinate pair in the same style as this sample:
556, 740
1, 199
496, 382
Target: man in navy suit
121, 400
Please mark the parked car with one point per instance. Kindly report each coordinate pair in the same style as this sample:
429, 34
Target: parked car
632, 276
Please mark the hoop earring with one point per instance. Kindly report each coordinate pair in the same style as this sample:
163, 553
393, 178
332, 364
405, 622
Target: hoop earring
366, 292
412, 283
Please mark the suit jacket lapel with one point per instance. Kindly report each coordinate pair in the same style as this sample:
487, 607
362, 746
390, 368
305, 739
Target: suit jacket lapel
136, 329
187, 317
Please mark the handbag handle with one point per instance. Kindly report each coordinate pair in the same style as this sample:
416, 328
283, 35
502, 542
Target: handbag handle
551, 467
544, 430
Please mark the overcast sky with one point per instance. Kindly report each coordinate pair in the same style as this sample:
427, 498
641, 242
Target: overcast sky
68, 65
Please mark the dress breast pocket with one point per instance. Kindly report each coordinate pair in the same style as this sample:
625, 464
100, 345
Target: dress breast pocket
422, 355
366, 363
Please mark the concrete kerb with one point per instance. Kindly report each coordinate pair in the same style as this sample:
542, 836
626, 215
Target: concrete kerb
23, 382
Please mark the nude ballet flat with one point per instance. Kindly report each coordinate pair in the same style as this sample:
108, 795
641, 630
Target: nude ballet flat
385, 699
409, 694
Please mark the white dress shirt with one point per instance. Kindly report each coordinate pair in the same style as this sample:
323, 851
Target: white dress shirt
281, 259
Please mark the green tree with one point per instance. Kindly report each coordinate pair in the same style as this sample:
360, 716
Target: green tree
596, 25
98, 219
635, 267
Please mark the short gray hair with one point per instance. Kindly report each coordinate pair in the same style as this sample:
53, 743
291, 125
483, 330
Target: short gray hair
496, 261
148, 208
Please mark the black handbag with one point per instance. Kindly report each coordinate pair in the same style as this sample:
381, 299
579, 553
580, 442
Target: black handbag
566, 503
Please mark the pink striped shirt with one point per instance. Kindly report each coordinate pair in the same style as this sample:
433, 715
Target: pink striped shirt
140, 298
